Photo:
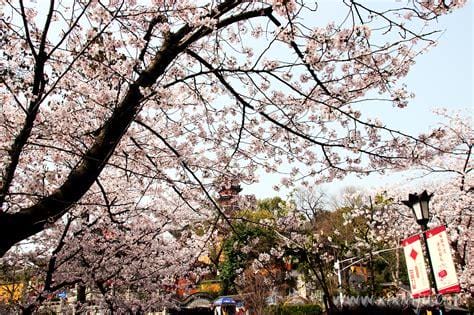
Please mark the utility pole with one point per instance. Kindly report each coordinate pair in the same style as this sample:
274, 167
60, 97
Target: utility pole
339, 269
337, 266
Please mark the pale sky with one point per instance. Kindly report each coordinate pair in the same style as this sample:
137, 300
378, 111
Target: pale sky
443, 77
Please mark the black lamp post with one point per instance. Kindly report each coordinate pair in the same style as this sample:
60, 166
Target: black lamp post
419, 204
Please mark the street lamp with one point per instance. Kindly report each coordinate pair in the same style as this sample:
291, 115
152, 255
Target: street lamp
419, 204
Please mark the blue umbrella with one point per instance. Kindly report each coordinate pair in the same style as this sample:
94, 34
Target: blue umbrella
225, 300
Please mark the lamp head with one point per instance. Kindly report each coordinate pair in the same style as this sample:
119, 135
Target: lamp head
419, 204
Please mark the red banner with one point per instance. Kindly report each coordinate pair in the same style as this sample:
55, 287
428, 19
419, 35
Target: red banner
442, 261
419, 281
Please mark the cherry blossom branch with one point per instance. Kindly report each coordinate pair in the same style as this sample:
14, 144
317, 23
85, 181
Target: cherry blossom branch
167, 179
17, 101
109, 204
188, 169
73, 26
38, 90
40, 57
268, 117
48, 281
27, 31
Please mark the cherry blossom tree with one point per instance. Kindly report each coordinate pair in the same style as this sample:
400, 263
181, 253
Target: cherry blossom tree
126, 266
369, 225
448, 175
105, 102
377, 220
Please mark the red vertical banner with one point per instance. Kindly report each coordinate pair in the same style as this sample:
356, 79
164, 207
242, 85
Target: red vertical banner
419, 281
442, 260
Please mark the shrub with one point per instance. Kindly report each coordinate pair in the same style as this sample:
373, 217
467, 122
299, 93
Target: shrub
304, 309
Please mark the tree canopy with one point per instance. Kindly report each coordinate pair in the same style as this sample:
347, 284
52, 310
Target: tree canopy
108, 102
121, 119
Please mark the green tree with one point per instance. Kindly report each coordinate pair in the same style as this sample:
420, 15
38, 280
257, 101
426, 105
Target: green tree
252, 234
240, 249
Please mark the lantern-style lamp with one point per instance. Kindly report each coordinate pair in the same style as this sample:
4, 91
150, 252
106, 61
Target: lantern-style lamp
419, 204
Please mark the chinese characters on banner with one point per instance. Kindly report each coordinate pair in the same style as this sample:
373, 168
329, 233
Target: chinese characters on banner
442, 261
419, 282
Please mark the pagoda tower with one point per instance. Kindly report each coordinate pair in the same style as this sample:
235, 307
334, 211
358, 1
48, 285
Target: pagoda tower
229, 197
